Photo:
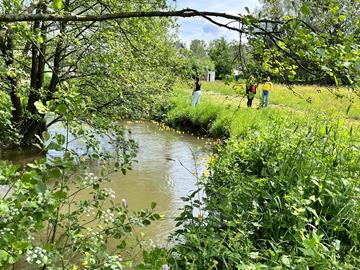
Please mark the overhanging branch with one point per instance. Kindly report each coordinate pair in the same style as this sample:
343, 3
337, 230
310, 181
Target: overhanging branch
185, 13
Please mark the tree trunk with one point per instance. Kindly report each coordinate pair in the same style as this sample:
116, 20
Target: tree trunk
33, 128
15, 101
35, 124
7, 47
34, 95
59, 51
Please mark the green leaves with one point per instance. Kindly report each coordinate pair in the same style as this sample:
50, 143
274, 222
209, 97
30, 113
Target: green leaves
46, 193
342, 18
3, 256
313, 36
41, 187
4, 208
305, 9
41, 107
283, 188
153, 205
40, 38
58, 4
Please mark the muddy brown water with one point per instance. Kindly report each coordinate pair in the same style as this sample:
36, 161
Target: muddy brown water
163, 174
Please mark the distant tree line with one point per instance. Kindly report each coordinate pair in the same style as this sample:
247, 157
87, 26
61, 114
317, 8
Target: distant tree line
317, 44
218, 55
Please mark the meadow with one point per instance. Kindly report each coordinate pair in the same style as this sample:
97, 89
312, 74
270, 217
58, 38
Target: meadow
222, 111
298, 97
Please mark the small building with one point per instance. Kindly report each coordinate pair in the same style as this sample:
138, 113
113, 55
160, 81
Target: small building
210, 76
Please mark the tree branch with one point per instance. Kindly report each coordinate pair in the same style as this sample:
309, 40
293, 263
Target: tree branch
185, 13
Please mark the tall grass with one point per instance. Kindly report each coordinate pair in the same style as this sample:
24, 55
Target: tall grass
222, 116
302, 98
282, 192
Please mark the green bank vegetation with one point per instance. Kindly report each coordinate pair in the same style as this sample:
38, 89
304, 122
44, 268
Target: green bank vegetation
283, 197
282, 191
222, 111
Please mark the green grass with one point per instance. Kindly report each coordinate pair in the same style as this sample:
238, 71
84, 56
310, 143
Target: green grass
282, 198
222, 111
220, 115
303, 98
286, 177
318, 99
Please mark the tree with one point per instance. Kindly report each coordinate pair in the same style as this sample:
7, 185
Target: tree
90, 65
317, 44
99, 68
199, 60
198, 48
58, 34
221, 54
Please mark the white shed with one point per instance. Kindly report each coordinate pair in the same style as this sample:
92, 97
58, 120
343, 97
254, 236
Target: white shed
210, 76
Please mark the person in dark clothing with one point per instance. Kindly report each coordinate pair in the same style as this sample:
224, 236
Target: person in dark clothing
250, 91
196, 93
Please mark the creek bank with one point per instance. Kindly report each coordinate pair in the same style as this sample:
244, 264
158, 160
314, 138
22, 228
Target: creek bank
221, 120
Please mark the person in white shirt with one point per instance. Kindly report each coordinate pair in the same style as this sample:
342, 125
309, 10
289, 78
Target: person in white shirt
196, 93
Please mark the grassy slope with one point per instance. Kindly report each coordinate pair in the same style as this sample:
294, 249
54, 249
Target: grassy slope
223, 112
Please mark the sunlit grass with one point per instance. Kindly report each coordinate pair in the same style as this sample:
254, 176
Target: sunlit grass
223, 112
223, 115
301, 98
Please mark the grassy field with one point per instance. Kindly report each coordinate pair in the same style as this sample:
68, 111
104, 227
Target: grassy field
223, 112
299, 97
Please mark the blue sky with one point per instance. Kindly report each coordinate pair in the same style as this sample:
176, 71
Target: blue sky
197, 28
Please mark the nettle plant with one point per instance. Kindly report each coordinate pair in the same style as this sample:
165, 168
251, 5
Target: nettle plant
283, 198
46, 224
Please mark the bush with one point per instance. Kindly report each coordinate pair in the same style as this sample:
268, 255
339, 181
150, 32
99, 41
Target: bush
44, 224
283, 198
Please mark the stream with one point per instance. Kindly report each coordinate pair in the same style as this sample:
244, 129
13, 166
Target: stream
163, 174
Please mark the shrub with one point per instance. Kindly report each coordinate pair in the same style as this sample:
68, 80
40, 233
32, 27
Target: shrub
283, 198
45, 224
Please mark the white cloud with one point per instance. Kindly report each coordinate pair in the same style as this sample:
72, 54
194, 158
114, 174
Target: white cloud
196, 28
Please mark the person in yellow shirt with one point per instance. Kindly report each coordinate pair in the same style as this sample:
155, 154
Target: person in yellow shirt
267, 87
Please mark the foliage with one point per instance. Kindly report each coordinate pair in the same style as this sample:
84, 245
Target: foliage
195, 61
219, 55
279, 196
218, 115
318, 43
283, 198
118, 68
222, 55
198, 48
7, 132
45, 224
